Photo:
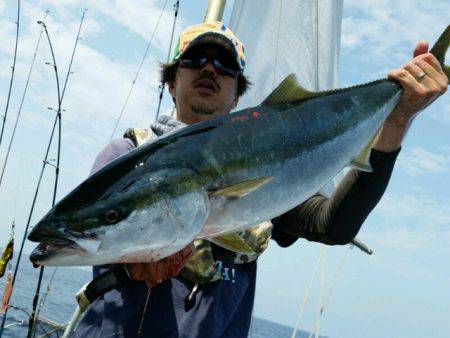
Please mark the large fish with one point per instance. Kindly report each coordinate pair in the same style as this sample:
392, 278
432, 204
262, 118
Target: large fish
217, 176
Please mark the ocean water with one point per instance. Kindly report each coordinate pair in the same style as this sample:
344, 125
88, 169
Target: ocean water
60, 301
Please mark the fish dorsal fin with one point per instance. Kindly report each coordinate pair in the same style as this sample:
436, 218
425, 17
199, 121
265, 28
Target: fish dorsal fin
242, 188
361, 162
233, 242
289, 90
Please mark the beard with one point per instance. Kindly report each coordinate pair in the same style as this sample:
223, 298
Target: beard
204, 108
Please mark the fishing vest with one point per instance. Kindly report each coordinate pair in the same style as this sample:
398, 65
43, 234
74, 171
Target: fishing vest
240, 247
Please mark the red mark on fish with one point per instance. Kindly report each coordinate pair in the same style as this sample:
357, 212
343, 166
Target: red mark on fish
243, 118
240, 118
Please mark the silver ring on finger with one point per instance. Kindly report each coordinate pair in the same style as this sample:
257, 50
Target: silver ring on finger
421, 76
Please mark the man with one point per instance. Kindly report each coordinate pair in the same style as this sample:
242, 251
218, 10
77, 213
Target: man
213, 294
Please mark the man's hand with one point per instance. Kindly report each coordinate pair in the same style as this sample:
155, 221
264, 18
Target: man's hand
423, 81
157, 272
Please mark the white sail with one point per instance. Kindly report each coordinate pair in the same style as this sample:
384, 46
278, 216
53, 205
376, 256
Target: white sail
283, 37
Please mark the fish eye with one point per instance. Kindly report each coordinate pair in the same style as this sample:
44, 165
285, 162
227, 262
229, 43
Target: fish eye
112, 216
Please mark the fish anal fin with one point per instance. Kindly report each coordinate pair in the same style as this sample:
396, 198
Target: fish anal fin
289, 90
242, 188
233, 242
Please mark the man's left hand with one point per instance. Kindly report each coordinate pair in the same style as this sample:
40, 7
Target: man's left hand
423, 81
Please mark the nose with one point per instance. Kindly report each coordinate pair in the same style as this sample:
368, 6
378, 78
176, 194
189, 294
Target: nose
208, 68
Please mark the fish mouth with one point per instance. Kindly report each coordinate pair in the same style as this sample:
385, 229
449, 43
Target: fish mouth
56, 245
50, 248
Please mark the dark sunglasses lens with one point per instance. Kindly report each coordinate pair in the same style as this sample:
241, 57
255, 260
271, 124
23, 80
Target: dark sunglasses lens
197, 61
193, 62
224, 70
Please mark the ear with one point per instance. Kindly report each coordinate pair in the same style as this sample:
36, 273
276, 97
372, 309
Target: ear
235, 102
171, 86
236, 97
172, 91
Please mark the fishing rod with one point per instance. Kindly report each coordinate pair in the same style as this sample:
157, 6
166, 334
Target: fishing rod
13, 68
137, 73
44, 298
22, 101
32, 321
161, 87
46, 160
58, 120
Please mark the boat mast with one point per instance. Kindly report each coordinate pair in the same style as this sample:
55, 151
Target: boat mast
214, 10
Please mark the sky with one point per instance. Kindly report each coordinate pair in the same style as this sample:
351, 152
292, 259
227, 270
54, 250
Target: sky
399, 291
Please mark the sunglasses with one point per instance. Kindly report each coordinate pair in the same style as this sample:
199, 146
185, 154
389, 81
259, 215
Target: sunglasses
220, 65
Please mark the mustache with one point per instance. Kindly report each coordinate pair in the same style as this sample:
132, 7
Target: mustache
206, 77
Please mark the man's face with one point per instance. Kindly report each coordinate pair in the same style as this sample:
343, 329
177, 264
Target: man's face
204, 93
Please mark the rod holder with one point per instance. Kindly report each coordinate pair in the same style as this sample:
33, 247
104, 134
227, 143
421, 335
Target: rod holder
361, 246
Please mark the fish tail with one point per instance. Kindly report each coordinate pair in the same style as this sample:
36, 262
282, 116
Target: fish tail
440, 48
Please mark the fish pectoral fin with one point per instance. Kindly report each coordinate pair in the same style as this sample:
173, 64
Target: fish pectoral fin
233, 242
242, 188
289, 90
89, 245
361, 162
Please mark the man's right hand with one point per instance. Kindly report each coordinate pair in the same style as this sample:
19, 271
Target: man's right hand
156, 272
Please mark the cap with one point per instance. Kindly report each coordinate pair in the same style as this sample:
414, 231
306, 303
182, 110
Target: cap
210, 32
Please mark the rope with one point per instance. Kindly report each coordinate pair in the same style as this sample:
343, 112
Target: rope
330, 292
308, 291
336, 277
22, 100
137, 73
161, 87
321, 292
276, 42
141, 325
12, 72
